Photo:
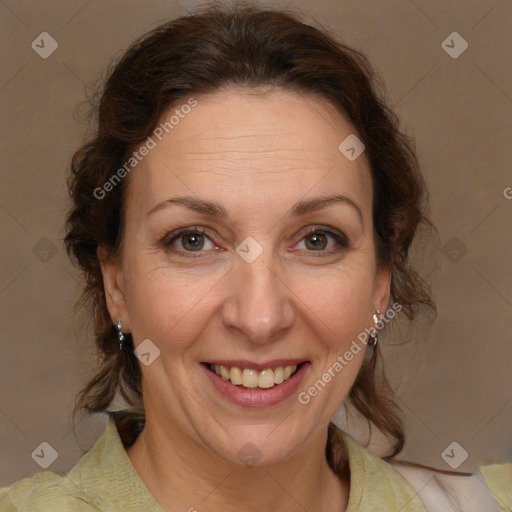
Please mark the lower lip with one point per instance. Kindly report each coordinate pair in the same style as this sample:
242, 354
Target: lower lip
257, 397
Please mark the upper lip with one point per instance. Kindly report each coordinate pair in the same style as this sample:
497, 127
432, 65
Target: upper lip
245, 363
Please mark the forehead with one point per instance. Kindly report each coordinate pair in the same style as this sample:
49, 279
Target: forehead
248, 147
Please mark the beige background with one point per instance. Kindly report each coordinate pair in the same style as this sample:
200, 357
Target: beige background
454, 381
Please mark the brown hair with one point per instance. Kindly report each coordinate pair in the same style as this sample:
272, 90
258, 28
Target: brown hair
195, 55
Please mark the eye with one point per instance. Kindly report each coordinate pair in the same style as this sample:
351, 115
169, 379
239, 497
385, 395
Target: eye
316, 240
188, 239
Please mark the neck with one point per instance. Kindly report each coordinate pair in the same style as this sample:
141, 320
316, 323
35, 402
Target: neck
181, 474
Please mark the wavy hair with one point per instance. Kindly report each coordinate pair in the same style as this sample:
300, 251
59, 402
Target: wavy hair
255, 48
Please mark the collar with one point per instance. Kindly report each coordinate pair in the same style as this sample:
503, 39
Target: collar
108, 479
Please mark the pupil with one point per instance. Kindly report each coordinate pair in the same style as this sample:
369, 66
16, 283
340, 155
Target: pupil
317, 238
193, 237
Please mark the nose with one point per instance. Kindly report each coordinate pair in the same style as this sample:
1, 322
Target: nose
257, 305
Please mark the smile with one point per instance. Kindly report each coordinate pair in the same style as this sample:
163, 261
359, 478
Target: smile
250, 384
251, 378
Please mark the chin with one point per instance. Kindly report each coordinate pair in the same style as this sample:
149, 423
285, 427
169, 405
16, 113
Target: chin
259, 445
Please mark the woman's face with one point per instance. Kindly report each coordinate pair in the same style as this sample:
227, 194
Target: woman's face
253, 290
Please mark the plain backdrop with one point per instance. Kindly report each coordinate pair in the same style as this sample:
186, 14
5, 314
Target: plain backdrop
453, 380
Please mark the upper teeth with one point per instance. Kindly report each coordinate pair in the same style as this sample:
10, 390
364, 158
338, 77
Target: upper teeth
253, 378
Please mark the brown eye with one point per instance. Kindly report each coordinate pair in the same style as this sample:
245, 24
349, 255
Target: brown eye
193, 241
317, 240
186, 240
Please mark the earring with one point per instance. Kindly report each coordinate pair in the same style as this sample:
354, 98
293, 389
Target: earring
374, 337
120, 335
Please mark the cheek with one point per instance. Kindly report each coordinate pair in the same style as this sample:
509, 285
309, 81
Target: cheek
177, 304
165, 305
340, 302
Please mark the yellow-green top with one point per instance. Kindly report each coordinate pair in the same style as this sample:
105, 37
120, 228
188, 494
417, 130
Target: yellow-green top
104, 479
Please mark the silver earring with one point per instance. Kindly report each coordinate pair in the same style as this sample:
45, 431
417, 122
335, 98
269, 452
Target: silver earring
120, 335
374, 337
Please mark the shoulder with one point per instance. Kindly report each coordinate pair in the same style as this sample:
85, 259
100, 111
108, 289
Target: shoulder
45, 491
450, 491
375, 484
103, 479
88, 486
405, 486
499, 480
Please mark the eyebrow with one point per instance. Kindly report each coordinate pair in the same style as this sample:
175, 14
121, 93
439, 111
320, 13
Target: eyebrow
300, 208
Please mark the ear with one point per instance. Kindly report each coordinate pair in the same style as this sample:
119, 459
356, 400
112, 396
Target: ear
382, 291
113, 284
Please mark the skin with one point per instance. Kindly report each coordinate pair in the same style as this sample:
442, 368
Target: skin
257, 155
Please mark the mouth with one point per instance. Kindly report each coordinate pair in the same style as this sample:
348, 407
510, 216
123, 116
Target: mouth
247, 377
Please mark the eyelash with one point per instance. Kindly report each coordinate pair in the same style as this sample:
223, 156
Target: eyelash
342, 240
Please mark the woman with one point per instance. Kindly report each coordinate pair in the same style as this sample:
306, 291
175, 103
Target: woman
243, 218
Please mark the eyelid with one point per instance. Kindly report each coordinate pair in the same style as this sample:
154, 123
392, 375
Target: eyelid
343, 242
170, 237
335, 233
340, 237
